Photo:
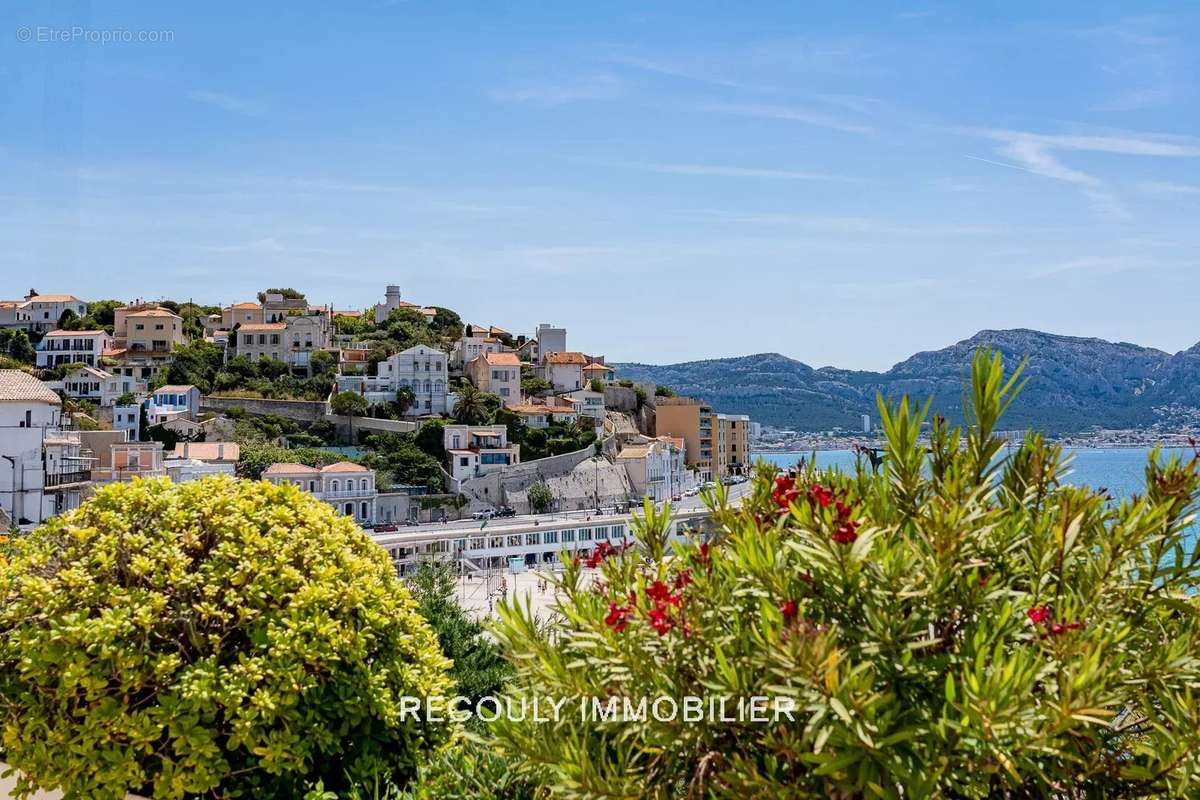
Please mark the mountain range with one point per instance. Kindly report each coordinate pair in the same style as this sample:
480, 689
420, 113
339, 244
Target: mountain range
1075, 384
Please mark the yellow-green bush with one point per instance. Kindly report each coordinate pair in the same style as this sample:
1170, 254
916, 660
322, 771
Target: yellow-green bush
220, 637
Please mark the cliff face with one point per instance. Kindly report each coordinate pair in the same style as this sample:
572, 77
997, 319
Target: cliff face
1075, 383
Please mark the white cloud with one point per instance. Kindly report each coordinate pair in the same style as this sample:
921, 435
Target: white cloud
594, 87
227, 102
1040, 154
721, 171
804, 116
674, 70
1166, 187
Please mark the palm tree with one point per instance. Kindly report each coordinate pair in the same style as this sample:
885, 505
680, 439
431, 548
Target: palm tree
405, 399
470, 408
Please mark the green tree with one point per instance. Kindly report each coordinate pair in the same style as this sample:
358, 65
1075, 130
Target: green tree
215, 638
962, 624
430, 437
398, 455
541, 499
16, 344
640, 396
405, 399
288, 294
104, 312
470, 409
479, 670
349, 404
196, 363
446, 324
531, 384
596, 385
323, 363
664, 391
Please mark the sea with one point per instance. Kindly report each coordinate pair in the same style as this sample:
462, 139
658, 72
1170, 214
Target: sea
1120, 470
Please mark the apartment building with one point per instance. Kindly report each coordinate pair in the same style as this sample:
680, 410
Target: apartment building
43, 468
39, 313
144, 337
242, 314
655, 467
194, 460
72, 347
420, 369
348, 487
99, 386
469, 348
291, 339
731, 444
564, 370
475, 450
259, 340
498, 373
120, 460
692, 421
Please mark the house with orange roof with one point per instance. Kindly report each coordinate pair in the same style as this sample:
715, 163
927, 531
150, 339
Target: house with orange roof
348, 487
39, 313
470, 347
498, 373
564, 371
476, 450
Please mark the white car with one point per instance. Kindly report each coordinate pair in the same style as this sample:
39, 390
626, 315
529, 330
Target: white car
487, 513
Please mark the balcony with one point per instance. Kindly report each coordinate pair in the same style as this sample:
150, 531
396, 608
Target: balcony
62, 480
346, 495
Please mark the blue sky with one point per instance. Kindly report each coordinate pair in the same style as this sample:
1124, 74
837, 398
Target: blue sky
842, 183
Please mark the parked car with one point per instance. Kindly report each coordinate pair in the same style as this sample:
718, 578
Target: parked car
506, 511
675, 498
692, 492
411, 522
385, 527
486, 513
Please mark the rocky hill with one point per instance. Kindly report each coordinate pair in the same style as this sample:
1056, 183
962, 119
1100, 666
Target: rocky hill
1075, 383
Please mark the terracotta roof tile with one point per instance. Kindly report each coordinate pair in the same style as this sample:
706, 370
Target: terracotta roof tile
16, 386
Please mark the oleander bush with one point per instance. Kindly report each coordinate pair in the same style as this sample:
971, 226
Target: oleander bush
957, 624
217, 638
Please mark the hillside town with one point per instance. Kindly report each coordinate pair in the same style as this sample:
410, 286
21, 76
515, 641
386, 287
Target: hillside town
396, 414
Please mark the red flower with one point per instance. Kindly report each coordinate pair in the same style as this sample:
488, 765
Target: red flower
660, 620
683, 579
788, 609
703, 553
617, 617
1038, 614
818, 495
657, 591
846, 533
783, 483
844, 511
602, 551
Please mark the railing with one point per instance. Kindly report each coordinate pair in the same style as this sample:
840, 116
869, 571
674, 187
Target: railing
345, 495
63, 478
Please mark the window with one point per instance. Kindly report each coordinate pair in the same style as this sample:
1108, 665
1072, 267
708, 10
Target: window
568, 536
364, 508
477, 543
585, 534
496, 541
158, 327
462, 462
601, 533
334, 486
532, 539
514, 540
550, 537
363, 484
139, 327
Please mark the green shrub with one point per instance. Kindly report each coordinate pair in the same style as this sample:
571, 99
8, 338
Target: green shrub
220, 638
959, 624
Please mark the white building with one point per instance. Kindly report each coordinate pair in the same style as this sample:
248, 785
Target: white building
72, 347
550, 340
475, 450
655, 467
181, 470
43, 470
421, 369
866, 423
172, 402
469, 348
39, 312
564, 370
349, 488
588, 404
99, 386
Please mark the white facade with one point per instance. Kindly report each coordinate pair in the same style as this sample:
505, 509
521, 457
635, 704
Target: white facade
128, 419
550, 340
655, 467
588, 404
99, 386
422, 369
563, 370
469, 348
40, 312
180, 470
349, 488
72, 347
475, 450
42, 467
173, 402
